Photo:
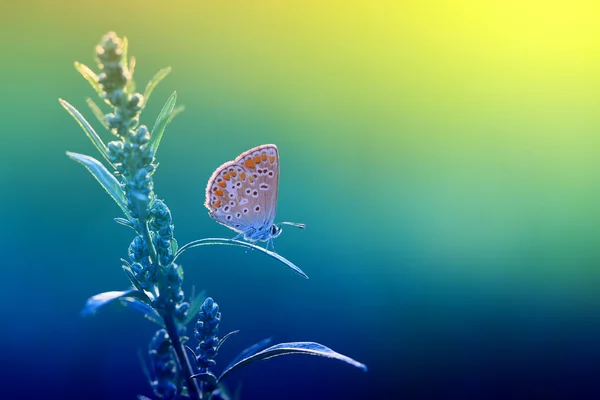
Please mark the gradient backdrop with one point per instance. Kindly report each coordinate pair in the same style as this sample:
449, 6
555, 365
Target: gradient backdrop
444, 155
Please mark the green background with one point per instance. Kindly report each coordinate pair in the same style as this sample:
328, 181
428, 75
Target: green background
444, 156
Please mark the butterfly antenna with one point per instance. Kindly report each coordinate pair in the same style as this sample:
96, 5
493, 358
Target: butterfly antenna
301, 226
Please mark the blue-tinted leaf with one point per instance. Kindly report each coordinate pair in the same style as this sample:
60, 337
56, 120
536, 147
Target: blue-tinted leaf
99, 300
124, 222
207, 377
105, 178
90, 76
140, 306
224, 338
233, 242
159, 76
165, 116
310, 348
255, 348
97, 112
87, 128
195, 306
132, 278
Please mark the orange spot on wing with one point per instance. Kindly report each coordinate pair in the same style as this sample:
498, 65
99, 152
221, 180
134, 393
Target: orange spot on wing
222, 184
264, 156
219, 192
257, 159
243, 176
272, 159
226, 177
217, 203
249, 163
251, 179
233, 173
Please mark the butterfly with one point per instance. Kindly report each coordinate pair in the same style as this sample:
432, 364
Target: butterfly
242, 194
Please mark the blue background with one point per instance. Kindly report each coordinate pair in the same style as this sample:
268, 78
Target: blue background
444, 156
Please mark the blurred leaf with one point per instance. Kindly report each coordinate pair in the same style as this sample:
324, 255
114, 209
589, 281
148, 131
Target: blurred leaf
87, 128
207, 377
165, 116
233, 242
282, 349
255, 348
125, 50
224, 338
195, 306
132, 278
99, 300
131, 83
105, 178
91, 77
174, 246
97, 112
156, 79
147, 311
124, 222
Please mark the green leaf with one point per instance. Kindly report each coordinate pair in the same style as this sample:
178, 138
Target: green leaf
310, 348
165, 116
131, 83
91, 77
159, 76
97, 112
99, 300
125, 49
174, 246
105, 178
233, 242
87, 128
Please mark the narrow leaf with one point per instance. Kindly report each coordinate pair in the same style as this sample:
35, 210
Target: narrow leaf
87, 128
255, 348
91, 77
97, 112
164, 117
132, 278
105, 178
124, 222
224, 338
99, 300
159, 76
140, 306
131, 83
124, 49
195, 306
206, 377
233, 242
281, 349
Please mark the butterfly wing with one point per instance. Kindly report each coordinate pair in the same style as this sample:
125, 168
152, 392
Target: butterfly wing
242, 194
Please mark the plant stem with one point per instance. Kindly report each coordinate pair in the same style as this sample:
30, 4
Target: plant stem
148, 239
182, 357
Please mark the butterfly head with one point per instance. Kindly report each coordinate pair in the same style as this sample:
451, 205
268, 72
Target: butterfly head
275, 231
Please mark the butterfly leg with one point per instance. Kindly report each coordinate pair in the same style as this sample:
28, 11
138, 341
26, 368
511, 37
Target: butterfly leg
270, 244
238, 236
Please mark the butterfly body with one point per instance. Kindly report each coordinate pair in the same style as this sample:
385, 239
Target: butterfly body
242, 194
